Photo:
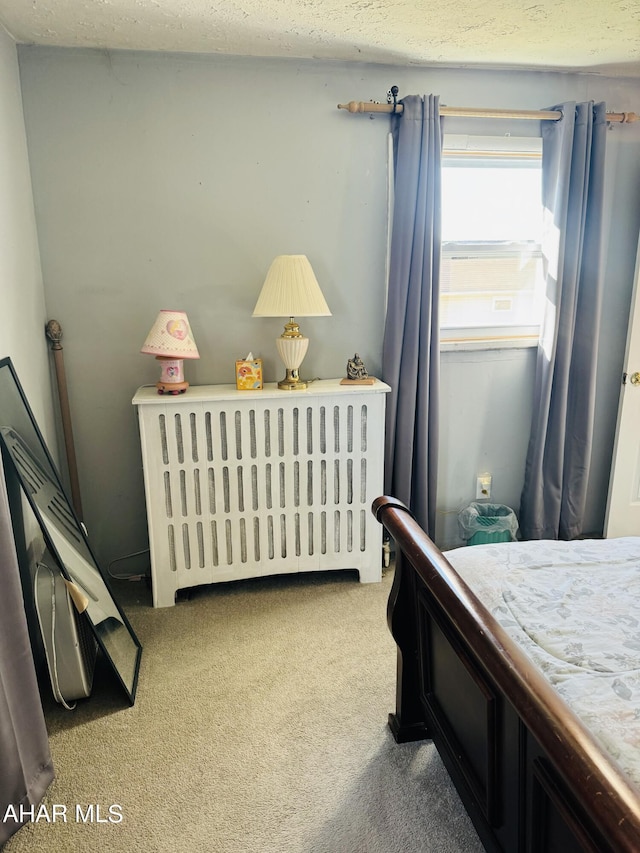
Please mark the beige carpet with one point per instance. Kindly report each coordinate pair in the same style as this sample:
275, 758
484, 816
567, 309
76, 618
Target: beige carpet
259, 727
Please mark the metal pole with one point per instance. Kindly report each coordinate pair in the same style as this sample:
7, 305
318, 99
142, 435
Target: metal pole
53, 331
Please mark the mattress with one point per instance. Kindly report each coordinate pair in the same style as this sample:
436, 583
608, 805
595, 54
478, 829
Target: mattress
574, 608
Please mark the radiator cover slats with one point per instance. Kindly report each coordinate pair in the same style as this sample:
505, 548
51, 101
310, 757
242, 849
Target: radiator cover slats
243, 484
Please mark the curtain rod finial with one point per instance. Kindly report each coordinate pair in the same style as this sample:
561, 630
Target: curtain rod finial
353, 107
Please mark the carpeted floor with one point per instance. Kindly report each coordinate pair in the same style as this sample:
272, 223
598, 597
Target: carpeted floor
259, 727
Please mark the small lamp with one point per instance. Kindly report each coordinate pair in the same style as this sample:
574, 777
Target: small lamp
291, 289
170, 340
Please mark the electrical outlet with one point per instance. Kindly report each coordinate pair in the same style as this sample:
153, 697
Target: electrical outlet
483, 487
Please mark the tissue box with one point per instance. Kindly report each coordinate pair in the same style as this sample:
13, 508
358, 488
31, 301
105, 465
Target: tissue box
249, 375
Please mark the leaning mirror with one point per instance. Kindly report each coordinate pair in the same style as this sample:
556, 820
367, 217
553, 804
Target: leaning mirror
63, 533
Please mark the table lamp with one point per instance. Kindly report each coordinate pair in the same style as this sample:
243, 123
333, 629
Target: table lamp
171, 341
289, 290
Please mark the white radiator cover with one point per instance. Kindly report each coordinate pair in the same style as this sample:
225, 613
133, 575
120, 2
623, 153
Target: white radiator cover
240, 484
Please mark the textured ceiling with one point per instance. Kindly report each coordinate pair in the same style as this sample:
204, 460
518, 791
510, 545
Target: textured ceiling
600, 36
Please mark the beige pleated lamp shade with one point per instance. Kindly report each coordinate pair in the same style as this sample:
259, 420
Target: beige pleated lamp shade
291, 290
171, 337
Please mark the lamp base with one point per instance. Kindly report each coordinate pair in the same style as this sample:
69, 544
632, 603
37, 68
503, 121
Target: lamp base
292, 348
172, 379
292, 381
172, 387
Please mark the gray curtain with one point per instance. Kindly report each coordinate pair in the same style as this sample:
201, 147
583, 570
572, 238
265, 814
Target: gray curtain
410, 360
558, 458
26, 769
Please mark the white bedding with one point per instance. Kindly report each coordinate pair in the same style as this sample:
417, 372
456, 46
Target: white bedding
574, 607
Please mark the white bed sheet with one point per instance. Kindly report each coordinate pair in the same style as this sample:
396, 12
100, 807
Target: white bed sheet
574, 607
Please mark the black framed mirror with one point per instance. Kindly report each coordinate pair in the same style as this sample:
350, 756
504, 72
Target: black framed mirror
64, 535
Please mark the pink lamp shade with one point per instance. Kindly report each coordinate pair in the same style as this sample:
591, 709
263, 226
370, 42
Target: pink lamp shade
171, 341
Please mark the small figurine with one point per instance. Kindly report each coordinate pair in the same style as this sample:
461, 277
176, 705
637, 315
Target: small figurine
356, 368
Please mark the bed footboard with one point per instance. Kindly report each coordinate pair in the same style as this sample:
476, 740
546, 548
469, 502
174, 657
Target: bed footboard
408, 722
529, 773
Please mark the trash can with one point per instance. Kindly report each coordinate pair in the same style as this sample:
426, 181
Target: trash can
482, 523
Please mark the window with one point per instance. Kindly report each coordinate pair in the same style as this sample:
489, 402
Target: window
491, 285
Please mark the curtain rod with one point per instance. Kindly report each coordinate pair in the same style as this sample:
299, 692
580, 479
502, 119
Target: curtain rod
472, 112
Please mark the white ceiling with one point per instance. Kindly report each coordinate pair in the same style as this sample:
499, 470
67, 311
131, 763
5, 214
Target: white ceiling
598, 36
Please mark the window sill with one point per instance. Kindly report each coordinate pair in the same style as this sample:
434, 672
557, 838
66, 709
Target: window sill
488, 343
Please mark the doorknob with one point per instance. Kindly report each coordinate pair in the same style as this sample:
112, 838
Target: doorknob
635, 378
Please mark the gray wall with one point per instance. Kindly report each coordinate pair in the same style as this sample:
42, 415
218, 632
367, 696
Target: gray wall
165, 181
22, 318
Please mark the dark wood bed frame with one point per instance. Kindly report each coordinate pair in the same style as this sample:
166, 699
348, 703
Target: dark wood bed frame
529, 773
